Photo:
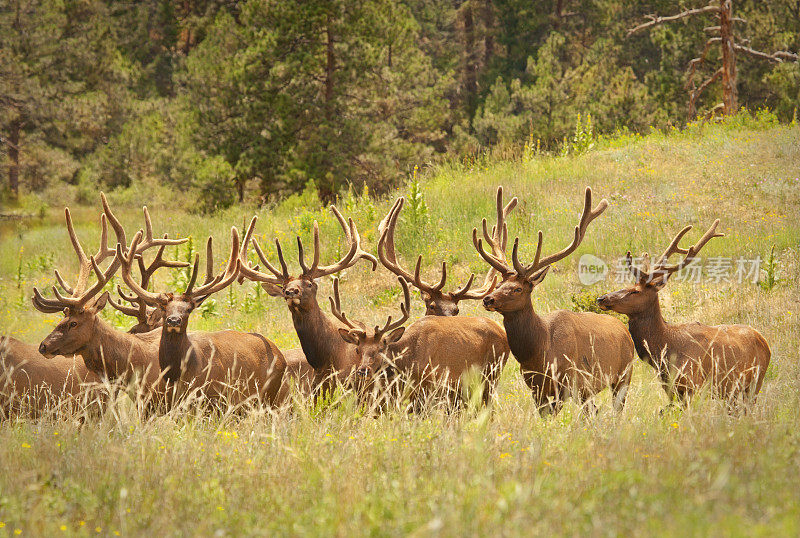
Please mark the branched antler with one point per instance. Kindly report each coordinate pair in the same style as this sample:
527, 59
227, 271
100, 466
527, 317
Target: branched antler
405, 309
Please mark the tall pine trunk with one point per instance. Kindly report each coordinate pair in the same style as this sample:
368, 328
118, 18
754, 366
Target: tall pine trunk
469, 75
13, 157
730, 99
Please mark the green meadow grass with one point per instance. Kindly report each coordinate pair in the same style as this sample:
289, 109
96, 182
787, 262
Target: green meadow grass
331, 470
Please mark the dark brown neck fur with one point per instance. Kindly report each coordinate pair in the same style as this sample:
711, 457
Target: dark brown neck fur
319, 337
527, 336
649, 331
172, 349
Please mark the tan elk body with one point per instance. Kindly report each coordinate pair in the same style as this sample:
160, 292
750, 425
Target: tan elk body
30, 383
562, 353
732, 358
432, 354
226, 364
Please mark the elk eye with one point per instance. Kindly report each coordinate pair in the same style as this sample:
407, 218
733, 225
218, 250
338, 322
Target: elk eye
73, 324
517, 290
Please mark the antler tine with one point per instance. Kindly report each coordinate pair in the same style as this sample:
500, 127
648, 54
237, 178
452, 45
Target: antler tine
405, 309
193, 277
388, 254
673, 247
692, 251
126, 260
63, 283
440, 285
587, 216
499, 265
336, 306
354, 253
43, 304
119, 230
209, 260
132, 311
149, 241
251, 272
226, 278
83, 271
315, 262
638, 274
500, 231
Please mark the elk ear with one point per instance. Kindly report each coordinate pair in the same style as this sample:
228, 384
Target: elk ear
659, 282
537, 277
272, 289
348, 336
154, 318
395, 335
98, 304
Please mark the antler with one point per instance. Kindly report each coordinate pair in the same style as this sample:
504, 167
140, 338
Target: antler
661, 267
336, 307
405, 308
282, 276
214, 284
539, 263
388, 255
79, 295
140, 311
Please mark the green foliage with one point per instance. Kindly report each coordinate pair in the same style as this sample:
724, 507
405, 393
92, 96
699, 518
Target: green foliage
417, 208
585, 300
770, 279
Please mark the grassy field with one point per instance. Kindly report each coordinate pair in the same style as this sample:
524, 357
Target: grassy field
331, 470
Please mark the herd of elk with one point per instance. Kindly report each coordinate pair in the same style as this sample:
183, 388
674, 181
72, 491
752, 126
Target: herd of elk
561, 354
733, 358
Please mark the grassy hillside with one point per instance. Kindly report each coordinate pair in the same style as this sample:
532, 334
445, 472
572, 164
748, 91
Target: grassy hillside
334, 471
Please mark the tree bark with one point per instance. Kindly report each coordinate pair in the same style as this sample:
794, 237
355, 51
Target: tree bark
469, 75
730, 98
13, 157
330, 66
488, 36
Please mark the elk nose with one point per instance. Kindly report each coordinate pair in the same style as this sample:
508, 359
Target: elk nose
291, 292
42, 348
362, 372
488, 301
173, 321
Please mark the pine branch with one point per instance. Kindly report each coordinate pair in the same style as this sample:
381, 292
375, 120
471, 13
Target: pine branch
777, 57
695, 62
655, 21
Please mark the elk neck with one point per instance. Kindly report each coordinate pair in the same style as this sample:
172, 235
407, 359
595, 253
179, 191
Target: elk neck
319, 338
172, 348
649, 331
113, 352
527, 335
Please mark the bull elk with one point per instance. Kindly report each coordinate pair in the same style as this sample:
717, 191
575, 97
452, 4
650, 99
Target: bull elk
432, 353
331, 358
231, 363
437, 301
732, 358
561, 353
106, 351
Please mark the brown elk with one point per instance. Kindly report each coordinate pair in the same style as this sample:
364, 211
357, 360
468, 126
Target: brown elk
432, 353
331, 358
437, 301
228, 363
31, 383
732, 358
563, 352
106, 351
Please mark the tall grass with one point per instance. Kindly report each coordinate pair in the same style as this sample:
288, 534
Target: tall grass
331, 468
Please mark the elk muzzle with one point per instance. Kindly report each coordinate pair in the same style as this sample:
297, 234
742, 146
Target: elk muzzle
173, 323
488, 302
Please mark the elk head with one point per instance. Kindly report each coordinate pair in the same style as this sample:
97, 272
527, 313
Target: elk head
519, 279
300, 292
371, 345
83, 304
437, 301
175, 308
649, 280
